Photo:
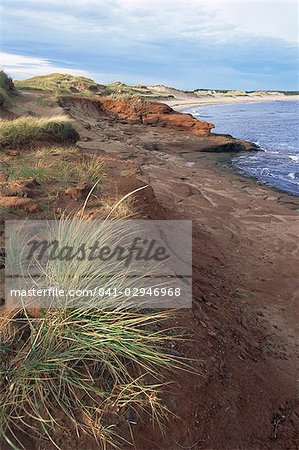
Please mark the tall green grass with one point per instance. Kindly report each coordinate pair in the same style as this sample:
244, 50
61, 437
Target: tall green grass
27, 130
81, 363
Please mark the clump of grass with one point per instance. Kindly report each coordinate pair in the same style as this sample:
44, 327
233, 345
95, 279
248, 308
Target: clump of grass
89, 170
86, 366
25, 171
27, 130
121, 210
120, 96
45, 152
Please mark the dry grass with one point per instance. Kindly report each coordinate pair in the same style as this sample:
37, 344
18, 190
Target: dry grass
27, 130
88, 170
60, 165
125, 209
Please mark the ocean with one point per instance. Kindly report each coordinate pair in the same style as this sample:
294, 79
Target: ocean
274, 126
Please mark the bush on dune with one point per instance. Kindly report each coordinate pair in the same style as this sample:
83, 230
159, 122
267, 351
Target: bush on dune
26, 130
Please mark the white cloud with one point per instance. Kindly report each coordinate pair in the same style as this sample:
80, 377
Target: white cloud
147, 19
20, 67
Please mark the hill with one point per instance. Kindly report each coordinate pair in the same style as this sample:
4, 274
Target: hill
7, 90
61, 83
65, 84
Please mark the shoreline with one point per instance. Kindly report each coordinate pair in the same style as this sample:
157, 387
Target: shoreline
242, 273
181, 104
242, 323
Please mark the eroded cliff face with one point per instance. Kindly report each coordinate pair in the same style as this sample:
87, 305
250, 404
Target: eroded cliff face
138, 112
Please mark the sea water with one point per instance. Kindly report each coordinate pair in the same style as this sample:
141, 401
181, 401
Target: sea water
274, 126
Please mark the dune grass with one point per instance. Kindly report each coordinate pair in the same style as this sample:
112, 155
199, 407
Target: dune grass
60, 83
71, 167
85, 366
89, 170
27, 130
7, 90
121, 210
25, 171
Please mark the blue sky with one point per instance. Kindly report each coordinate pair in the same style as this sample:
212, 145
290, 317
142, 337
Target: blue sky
183, 43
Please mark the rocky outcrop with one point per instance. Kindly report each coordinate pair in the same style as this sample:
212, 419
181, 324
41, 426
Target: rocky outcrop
137, 111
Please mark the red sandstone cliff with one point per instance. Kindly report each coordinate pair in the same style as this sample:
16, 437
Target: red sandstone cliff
138, 111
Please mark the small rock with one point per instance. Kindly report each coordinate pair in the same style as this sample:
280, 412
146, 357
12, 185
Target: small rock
78, 192
150, 146
31, 183
17, 202
20, 191
11, 152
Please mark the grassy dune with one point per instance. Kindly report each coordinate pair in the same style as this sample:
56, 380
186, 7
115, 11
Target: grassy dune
7, 90
27, 130
60, 83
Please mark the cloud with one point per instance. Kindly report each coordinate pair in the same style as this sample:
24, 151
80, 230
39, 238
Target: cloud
147, 41
20, 66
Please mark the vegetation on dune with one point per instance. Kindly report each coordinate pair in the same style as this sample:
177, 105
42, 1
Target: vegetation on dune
119, 90
63, 84
27, 130
89, 170
57, 164
60, 84
86, 367
7, 90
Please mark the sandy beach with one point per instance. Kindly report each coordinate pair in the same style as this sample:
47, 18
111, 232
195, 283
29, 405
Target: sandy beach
182, 103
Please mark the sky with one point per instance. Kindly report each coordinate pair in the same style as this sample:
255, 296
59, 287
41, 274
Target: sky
188, 44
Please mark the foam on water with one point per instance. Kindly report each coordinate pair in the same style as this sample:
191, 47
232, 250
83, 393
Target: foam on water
273, 126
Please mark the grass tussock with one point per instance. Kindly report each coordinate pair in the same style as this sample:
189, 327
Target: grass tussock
125, 209
46, 152
27, 130
26, 171
88, 169
63, 165
85, 366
